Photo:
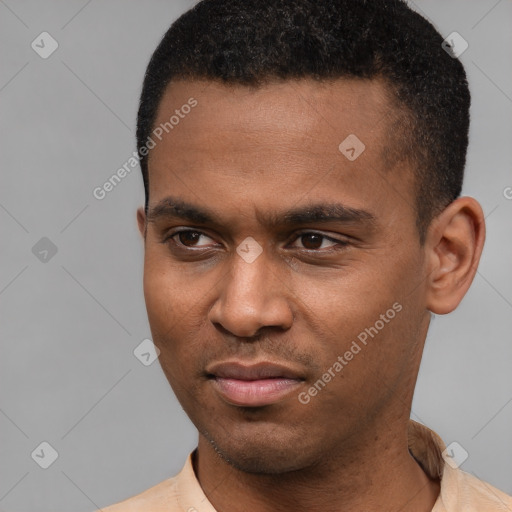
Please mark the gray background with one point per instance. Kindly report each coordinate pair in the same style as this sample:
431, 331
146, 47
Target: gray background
69, 325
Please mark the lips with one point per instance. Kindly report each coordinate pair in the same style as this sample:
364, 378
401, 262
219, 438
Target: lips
253, 385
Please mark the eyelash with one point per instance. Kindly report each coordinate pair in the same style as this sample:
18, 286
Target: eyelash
340, 244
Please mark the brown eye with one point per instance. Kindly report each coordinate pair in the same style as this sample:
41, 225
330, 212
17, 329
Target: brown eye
315, 241
188, 238
311, 241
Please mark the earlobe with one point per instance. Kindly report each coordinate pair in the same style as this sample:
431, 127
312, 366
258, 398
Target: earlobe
454, 245
141, 221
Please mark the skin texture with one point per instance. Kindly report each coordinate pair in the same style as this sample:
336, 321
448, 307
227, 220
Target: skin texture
243, 154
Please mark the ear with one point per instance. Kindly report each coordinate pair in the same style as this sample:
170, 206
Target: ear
141, 221
454, 244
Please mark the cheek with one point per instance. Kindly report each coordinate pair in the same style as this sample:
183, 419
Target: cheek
368, 317
350, 300
168, 294
166, 308
161, 299
365, 367
176, 316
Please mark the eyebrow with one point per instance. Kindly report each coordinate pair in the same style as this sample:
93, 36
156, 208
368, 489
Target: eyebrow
175, 208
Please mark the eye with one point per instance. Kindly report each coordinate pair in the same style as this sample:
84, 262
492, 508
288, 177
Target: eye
315, 241
186, 238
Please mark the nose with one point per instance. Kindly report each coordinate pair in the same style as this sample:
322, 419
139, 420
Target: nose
252, 296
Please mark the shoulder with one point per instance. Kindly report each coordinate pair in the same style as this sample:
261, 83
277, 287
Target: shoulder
159, 498
463, 491
170, 495
459, 490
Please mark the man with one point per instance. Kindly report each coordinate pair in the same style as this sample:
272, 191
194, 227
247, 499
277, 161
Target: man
303, 163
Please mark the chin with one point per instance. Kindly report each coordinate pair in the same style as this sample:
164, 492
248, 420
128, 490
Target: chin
264, 452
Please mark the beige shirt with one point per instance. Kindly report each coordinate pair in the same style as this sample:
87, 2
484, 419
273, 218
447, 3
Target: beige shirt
459, 491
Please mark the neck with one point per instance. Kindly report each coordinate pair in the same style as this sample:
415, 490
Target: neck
378, 475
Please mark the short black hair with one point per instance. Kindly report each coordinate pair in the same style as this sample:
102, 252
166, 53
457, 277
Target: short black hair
252, 42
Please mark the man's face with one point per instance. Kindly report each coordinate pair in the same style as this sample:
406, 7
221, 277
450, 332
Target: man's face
318, 289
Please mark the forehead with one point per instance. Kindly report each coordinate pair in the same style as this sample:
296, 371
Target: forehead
291, 107
323, 139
